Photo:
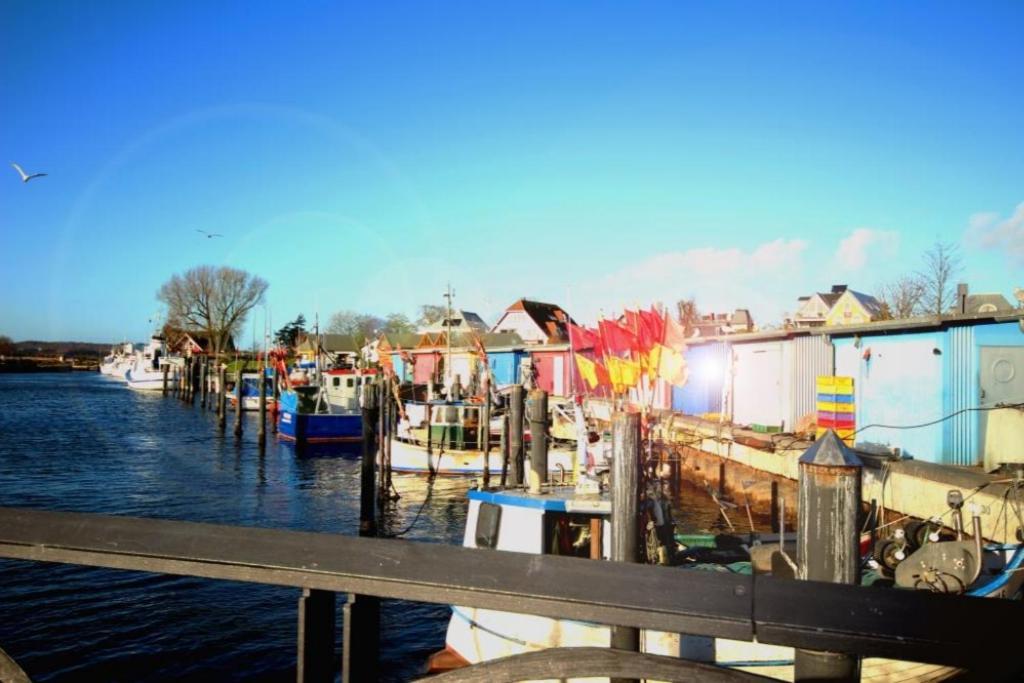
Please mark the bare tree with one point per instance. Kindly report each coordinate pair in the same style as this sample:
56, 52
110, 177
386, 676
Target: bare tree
430, 313
938, 277
398, 323
359, 326
212, 300
689, 316
901, 298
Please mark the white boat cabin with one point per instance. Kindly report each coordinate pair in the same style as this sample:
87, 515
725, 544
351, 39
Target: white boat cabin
342, 388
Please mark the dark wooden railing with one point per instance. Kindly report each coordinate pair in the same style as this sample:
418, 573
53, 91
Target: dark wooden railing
978, 634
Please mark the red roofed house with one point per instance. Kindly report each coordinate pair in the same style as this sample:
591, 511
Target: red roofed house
535, 322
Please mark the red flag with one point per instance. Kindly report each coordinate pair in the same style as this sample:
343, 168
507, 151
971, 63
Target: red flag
654, 324
618, 341
582, 338
632, 321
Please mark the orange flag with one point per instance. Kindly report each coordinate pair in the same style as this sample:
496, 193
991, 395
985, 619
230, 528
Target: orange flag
675, 338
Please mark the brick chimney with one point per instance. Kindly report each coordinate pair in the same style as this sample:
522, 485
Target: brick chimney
961, 298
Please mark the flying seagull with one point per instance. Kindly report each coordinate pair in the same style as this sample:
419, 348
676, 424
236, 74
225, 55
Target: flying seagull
25, 177
209, 234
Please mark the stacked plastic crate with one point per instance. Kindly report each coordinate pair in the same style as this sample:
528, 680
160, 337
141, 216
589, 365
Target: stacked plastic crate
836, 407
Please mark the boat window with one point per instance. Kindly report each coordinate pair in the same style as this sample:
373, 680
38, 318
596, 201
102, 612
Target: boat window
337, 381
349, 383
570, 534
488, 520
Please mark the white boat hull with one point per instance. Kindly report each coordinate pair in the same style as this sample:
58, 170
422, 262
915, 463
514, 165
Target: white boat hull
251, 403
412, 457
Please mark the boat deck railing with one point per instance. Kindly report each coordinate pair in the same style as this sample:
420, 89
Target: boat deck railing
978, 634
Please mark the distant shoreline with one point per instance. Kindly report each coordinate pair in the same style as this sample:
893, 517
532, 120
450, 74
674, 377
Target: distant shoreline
35, 365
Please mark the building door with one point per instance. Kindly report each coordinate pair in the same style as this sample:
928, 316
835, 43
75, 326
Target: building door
558, 376
1002, 375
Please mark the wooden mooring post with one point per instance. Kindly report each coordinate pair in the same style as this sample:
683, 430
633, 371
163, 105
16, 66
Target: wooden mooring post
187, 394
194, 386
238, 402
503, 445
485, 429
167, 369
222, 408
625, 541
316, 637
538, 414
517, 455
203, 382
828, 540
361, 646
277, 398
262, 403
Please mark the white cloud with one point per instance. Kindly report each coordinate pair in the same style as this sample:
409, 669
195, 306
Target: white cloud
989, 231
763, 279
864, 245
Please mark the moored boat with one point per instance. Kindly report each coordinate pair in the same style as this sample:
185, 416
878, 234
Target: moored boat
444, 437
561, 522
251, 392
324, 414
146, 371
117, 363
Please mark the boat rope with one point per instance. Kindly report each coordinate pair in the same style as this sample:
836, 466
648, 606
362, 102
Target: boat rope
431, 478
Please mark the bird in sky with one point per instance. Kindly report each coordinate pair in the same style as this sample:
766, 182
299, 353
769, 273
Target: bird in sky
209, 234
25, 177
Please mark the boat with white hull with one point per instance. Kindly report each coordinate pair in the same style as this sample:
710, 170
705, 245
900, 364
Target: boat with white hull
563, 523
119, 361
146, 372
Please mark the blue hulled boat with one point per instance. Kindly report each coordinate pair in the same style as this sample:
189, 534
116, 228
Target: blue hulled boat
306, 417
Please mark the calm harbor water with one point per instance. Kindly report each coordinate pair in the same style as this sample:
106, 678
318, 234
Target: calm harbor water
86, 443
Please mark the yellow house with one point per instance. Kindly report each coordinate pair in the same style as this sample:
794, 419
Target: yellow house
853, 308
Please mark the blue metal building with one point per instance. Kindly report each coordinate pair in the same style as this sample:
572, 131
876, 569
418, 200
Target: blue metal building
707, 364
907, 379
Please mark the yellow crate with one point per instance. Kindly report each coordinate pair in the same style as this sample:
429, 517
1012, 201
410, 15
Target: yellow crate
713, 417
830, 407
844, 434
839, 385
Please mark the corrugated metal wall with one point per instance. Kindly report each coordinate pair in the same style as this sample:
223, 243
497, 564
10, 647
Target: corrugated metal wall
898, 382
761, 384
707, 365
960, 434
812, 356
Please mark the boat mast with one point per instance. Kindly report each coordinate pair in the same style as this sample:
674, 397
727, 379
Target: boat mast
448, 324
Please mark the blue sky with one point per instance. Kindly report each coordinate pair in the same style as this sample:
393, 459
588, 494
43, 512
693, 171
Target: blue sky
592, 154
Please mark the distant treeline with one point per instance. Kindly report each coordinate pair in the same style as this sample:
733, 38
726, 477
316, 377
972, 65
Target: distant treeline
55, 349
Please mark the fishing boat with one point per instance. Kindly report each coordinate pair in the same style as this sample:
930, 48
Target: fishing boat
324, 414
146, 371
251, 392
444, 437
563, 522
